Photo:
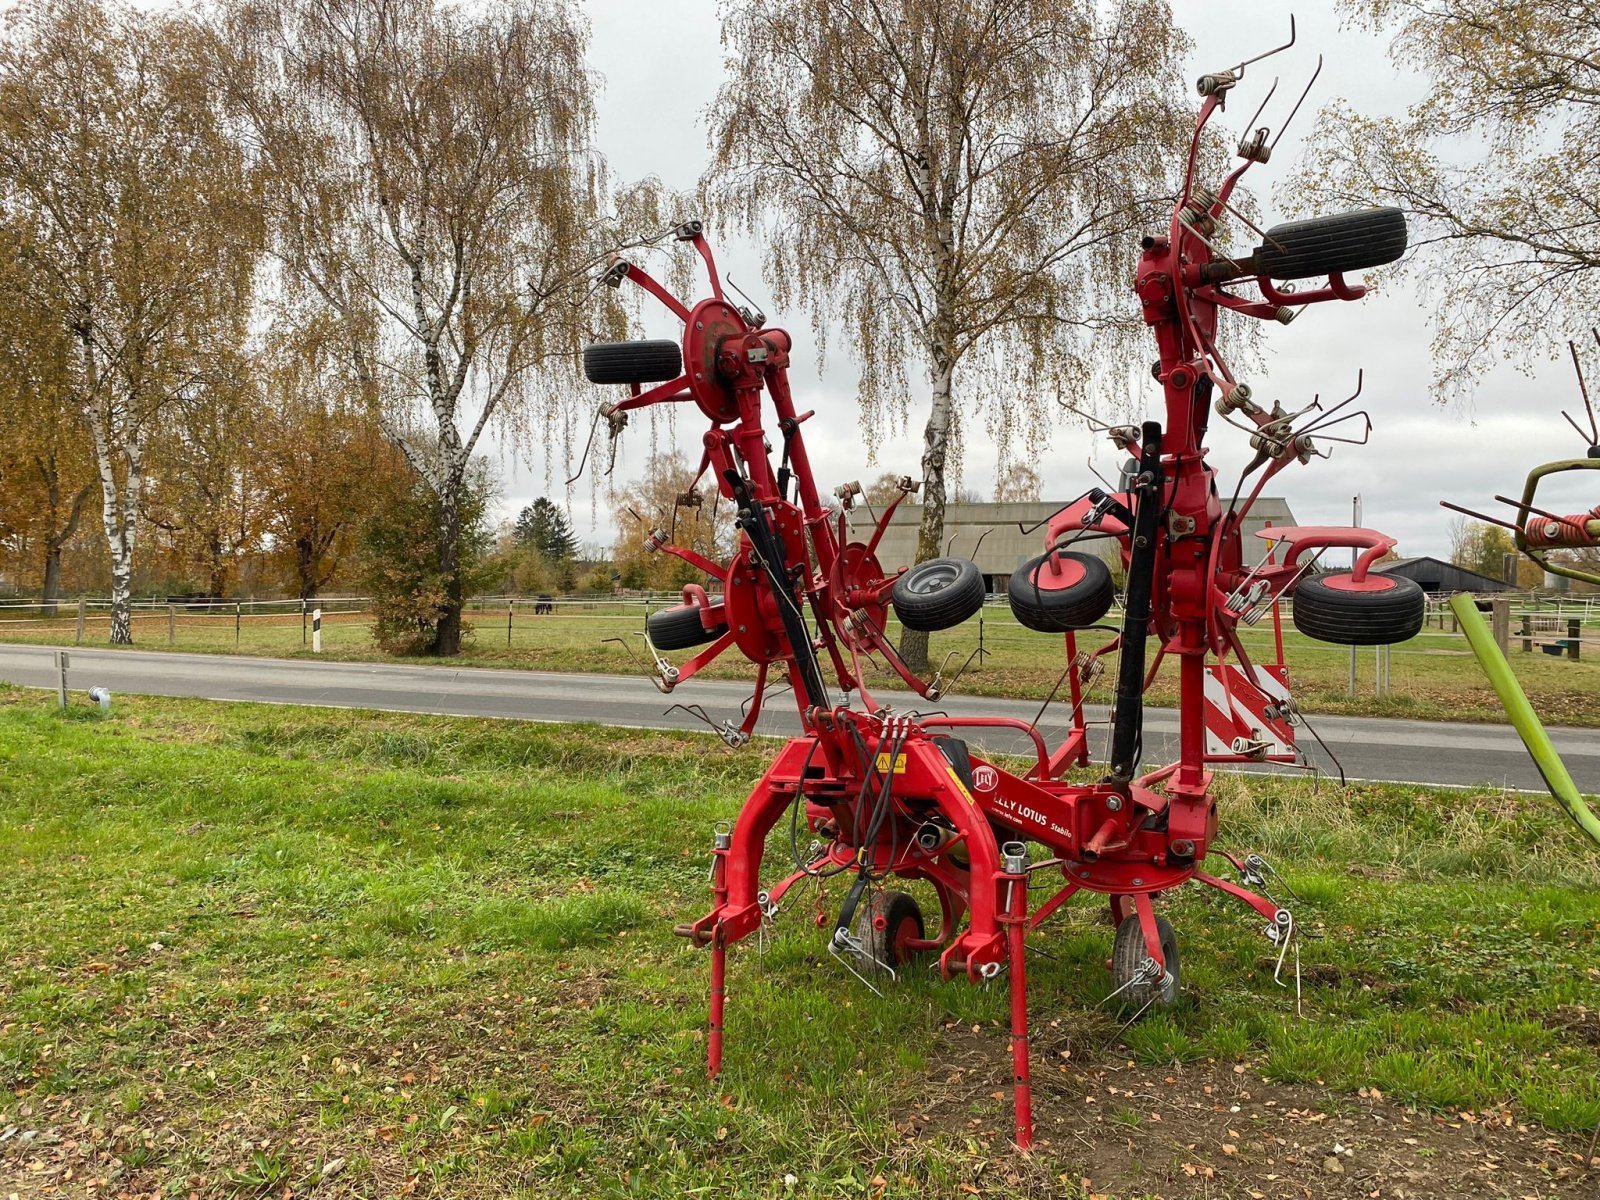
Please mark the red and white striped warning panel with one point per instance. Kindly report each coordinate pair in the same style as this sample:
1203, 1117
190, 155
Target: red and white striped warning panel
1245, 722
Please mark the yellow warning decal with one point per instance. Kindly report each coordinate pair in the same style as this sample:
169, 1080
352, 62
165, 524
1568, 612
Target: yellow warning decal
899, 763
961, 788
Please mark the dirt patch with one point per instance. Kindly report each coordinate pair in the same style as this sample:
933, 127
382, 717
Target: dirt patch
1579, 1022
1219, 1129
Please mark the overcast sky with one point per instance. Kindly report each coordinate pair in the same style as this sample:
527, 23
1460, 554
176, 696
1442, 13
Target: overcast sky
661, 64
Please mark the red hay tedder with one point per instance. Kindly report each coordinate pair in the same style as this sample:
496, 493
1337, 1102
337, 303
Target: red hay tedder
897, 795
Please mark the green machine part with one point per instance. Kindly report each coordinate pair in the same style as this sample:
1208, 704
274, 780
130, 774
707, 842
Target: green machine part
1523, 718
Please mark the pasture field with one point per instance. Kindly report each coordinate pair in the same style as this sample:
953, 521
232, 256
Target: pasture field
273, 952
1432, 677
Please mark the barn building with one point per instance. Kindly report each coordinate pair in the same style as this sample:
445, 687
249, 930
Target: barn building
1440, 578
993, 534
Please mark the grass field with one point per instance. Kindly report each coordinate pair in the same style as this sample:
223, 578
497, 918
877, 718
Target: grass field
1432, 677
262, 951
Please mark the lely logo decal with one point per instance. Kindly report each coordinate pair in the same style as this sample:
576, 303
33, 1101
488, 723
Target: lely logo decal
985, 779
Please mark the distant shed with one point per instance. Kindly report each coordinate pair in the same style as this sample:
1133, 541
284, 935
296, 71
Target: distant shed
991, 533
1442, 578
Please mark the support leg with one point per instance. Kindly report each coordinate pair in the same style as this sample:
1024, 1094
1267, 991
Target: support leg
719, 952
719, 969
1016, 921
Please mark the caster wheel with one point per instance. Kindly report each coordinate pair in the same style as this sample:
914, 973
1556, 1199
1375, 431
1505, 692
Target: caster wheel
1128, 957
1121, 909
900, 919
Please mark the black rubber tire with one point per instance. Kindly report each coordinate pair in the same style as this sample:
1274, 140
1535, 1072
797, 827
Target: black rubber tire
1348, 241
679, 628
938, 594
1324, 612
1057, 610
885, 946
1128, 955
632, 362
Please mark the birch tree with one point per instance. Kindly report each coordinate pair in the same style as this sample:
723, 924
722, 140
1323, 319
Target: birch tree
429, 180
1496, 166
956, 186
137, 237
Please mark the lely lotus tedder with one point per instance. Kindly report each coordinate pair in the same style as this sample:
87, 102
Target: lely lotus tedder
885, 795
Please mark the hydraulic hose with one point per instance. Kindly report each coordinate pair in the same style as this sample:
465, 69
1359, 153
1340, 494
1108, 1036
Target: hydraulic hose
1523, 718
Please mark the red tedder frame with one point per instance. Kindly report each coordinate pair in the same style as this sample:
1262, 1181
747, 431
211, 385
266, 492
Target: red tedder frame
897, 795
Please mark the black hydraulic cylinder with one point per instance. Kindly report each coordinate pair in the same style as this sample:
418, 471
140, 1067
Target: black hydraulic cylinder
1128, 725
769, 548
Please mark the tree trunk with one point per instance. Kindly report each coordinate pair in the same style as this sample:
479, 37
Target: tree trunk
305, 566
52, 577
60, 531
119, 520
447, 635
930, 537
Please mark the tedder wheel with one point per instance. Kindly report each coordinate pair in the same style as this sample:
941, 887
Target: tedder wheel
1121, 909
1128, 956
902, 924
938, 594
1347, 241
632, 362
1328, 608
1074, 595
679, 627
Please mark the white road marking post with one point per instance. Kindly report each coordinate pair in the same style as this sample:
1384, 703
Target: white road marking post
316, 631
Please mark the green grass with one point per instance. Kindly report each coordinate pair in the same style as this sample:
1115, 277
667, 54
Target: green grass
1432, 677
242, 943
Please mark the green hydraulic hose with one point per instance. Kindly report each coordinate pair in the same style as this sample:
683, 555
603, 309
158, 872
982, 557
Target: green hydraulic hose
1523, 718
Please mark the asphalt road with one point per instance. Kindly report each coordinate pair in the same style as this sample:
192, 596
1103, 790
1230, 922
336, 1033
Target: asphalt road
1369, 748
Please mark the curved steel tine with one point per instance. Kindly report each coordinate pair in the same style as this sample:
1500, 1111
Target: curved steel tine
1583, 390
587, 446
1360, 412
1095, 471
1274, 143
627, 648
757, 313
1538, 512
1480, 516
1095, 423
1316, 403
1239, 70
1323, 421
1250, 225
1262, 107
1025, 530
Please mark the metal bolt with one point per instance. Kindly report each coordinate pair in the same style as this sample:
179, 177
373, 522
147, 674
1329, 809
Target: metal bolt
1114, 803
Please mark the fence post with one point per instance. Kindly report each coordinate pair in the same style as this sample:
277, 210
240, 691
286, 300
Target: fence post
1500, 614
316, 630
172, 624
511, 607
302, 621
83, 611
238, 622
1574, 636
1527, 634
